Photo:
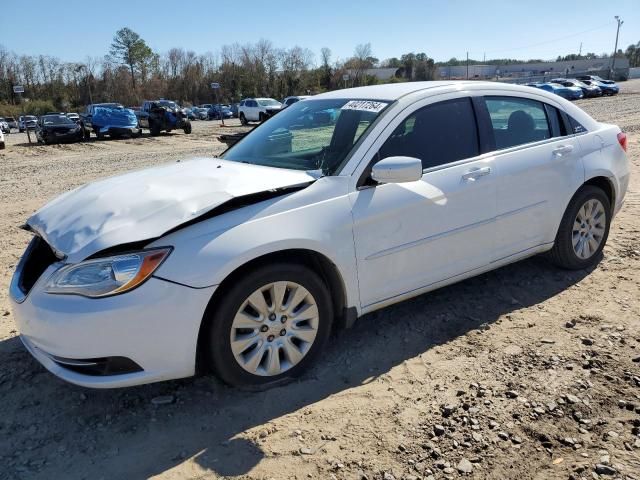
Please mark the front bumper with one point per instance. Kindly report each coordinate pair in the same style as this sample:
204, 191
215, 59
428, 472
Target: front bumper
118, 130
63, 137
155, 326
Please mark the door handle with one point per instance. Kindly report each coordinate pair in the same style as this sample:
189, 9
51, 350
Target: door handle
474, 173
562, 150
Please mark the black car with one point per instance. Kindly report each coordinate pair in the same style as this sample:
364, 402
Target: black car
57, 128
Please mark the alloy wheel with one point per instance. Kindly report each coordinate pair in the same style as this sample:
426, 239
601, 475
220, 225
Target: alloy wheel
589, 228
274, 328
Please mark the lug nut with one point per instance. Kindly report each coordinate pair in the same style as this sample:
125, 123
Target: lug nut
264, 328
272, 316
270, 338
283, 332
283, 319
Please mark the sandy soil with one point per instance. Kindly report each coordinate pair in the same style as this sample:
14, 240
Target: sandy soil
527, 372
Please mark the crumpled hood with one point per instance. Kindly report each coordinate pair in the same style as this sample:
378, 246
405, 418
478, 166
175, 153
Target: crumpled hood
148, 203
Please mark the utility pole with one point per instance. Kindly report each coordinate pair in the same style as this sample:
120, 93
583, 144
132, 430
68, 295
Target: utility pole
615, 49
467, 65
580, 51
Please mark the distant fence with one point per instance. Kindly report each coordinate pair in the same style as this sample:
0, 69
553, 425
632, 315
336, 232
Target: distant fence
634, 72
526, 77
619, 75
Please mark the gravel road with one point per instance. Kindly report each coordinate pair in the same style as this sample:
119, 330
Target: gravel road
527, 372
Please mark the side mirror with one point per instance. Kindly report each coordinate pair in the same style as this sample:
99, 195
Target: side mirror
397, 170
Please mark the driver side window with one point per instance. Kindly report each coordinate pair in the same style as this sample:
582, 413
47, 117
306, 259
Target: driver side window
437, 134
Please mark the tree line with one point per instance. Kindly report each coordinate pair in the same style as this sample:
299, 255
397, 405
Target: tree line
132, 72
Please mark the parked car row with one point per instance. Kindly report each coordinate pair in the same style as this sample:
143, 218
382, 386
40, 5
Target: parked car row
576, 88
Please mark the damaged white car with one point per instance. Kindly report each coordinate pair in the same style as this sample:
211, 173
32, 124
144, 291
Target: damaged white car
337, 206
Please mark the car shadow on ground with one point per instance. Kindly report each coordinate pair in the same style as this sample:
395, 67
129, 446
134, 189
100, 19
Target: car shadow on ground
206, 418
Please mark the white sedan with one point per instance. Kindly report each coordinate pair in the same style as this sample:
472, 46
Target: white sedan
244, 264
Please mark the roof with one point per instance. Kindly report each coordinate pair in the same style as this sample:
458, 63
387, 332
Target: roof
394, 91
387, 91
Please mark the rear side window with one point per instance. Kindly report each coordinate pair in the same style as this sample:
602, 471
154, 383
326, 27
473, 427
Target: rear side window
517, 121
437, 134
576, 127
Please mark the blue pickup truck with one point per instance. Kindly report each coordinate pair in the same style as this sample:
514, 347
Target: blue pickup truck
109, 119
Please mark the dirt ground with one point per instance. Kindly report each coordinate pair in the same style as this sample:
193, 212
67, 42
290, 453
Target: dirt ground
527, 372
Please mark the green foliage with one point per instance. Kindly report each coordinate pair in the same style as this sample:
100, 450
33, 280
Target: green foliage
633, 54
34, 107
129, 49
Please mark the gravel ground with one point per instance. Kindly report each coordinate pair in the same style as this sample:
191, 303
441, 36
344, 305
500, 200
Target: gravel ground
526, 372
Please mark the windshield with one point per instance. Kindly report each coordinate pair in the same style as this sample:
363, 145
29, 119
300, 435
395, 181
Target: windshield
56, 120
310, 135
267, 102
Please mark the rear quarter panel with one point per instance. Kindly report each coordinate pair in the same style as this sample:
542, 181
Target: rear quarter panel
610, 161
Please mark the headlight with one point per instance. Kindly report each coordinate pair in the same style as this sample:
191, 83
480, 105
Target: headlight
101, 277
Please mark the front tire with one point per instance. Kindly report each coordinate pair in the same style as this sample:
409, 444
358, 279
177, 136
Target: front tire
187, 128
269, 326
583, 231
243, 119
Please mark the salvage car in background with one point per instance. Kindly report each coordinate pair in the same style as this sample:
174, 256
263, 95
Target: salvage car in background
4, 126
218, 112
27, 122
257, 109
610, 88
2, 141
12, 122
570, 93
595, 78
588, 90
248, 261
163, 115
57, 128
109, 119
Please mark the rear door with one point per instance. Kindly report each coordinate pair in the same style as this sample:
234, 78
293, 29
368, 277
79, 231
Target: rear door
409, 236
540, 168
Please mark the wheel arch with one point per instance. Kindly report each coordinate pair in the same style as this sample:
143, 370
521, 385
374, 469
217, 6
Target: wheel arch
605, 184
318, 262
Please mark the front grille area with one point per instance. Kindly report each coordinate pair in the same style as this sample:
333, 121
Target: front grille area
37, 258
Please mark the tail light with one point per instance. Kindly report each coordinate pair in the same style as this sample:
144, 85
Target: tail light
622, 140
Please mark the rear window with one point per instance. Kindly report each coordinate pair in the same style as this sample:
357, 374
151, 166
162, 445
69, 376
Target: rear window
517, 121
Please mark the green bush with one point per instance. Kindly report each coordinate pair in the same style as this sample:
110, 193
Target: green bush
34, 107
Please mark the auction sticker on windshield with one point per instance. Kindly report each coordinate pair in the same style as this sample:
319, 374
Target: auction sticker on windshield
364, 105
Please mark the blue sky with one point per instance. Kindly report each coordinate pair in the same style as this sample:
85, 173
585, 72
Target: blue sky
72, 29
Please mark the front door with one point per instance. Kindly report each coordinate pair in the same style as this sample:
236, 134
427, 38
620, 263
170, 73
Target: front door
409, 236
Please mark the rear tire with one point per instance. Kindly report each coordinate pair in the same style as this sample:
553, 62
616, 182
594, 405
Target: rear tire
276, 351
583, 231
187, 128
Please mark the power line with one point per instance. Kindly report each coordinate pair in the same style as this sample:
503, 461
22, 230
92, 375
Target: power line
546, 42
